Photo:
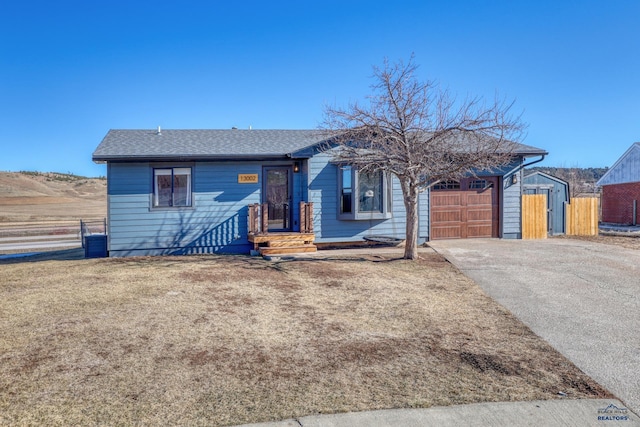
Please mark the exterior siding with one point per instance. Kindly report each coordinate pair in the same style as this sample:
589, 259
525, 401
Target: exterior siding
423, 216
511, 204
217, 221
617, 203
323, 192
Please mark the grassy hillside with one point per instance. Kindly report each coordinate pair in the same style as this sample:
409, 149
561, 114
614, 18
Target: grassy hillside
41, 197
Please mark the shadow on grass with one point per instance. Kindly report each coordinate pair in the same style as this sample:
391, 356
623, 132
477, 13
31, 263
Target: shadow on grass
61, 255
244, 261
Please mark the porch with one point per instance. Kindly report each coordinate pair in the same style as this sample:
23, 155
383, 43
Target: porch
280, 243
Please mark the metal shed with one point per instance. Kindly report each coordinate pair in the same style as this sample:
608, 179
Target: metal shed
557, 192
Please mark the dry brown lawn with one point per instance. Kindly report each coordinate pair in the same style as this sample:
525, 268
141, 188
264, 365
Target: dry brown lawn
222, 340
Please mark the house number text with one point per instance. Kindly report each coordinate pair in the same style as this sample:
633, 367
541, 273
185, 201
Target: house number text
247, 178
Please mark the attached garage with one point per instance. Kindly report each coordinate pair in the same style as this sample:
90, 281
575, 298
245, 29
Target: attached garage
469, 208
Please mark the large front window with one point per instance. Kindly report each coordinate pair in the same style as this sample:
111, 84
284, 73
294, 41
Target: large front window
172, 187
363, 195
370, 192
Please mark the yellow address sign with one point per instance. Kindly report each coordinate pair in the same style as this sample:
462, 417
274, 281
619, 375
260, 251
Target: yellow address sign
247, 178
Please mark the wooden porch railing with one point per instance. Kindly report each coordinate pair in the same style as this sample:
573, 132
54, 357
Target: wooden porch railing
306, 217
259, 218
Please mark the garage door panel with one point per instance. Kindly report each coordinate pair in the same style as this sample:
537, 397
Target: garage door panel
479, 214
465, 213
479, 199
450, 215
444, 200
451, 232
481, 230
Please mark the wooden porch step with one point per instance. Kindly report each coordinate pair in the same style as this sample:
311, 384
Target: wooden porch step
286, 243
266, 237
283, 250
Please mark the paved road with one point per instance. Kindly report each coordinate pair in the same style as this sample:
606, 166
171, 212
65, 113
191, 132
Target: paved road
7, 248
581, 297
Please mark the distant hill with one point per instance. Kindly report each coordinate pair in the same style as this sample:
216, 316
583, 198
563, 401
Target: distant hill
581, 180
38, 196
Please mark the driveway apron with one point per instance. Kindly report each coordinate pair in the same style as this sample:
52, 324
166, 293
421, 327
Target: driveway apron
581, 297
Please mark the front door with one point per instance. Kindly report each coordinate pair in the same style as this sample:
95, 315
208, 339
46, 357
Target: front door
277, 194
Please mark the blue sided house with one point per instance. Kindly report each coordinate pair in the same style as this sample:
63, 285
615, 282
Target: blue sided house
278, 191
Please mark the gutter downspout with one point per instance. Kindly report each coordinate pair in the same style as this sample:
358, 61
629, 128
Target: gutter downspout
534, 162
521, 167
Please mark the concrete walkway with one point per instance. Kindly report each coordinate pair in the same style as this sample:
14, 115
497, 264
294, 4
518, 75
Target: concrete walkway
581, 297
550, 413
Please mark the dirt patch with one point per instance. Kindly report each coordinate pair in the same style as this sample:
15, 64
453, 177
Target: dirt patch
624, 240
220, 340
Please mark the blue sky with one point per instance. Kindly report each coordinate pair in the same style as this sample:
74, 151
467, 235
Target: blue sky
71, 70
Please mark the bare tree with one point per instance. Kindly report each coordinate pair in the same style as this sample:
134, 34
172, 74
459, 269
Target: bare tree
421, 134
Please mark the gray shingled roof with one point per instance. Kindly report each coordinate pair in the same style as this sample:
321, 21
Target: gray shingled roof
203, 144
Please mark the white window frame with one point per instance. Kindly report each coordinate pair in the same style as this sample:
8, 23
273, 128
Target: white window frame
354, 211
173, 172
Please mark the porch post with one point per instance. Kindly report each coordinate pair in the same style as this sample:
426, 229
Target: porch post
265, 218
303, 218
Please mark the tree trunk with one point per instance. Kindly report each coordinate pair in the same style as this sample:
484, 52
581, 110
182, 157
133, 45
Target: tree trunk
410, 193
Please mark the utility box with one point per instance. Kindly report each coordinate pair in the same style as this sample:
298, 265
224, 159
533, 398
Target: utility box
95, 246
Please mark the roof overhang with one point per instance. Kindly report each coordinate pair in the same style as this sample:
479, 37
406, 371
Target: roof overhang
226, 158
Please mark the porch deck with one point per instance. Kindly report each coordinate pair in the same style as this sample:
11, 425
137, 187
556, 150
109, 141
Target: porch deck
280, 243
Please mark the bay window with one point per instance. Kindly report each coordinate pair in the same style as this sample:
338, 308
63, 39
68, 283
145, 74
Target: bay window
363, 195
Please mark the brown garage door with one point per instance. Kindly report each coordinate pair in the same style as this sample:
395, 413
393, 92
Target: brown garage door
465, 209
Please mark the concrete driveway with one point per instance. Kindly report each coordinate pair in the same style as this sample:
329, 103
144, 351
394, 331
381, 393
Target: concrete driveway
581, 297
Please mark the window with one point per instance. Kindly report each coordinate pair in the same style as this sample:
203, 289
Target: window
370, 192
172, 187
478, 184
447, 185
346, 192
364, 195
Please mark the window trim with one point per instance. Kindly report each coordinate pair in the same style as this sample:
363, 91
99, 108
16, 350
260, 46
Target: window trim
355, 214
154, 187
